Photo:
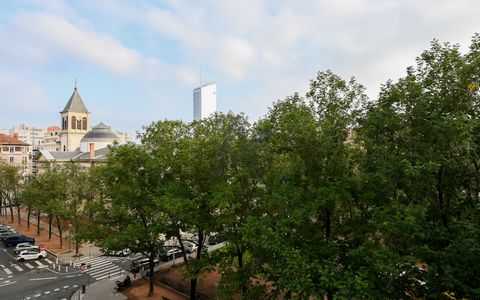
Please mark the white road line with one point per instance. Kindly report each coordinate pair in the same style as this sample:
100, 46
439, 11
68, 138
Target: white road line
56, 290
70, 276
48, 261
37, 295
74, 286
29, 266
18, 268
65, 286
104, 271
38, 263
44, 278
7, 271
47, 292
8, 283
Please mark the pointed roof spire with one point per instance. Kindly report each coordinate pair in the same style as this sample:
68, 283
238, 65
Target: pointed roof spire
75, 104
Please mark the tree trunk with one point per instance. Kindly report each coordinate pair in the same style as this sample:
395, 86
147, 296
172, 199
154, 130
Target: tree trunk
59, 226
38, 222
240, 266
193, 281
29, 212
328, 221
11, 211
50, 219
151, 279
18, 214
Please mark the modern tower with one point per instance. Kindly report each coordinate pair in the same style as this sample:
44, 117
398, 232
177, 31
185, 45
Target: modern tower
204, 101
75, 120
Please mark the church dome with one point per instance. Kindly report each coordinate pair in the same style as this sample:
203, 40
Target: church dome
101, 135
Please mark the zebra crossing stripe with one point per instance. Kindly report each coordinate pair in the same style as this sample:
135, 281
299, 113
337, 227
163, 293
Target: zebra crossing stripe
104, 271
100, 265
48, 261
18, 268
7, 271
38, 263
29, 266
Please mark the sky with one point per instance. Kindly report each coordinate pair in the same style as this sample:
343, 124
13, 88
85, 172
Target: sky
138, 61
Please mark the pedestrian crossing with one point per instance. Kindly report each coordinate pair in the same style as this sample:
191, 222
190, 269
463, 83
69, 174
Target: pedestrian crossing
100, 268
22, 267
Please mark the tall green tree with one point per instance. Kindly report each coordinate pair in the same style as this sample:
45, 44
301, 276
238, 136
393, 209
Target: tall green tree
420, 139
127, 214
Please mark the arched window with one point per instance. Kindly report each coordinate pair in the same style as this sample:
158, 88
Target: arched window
79, 124
84, 123
74, 123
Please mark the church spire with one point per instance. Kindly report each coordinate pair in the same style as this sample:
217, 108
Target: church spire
75, 104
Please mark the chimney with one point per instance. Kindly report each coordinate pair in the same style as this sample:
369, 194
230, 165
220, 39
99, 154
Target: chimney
15, 136
92, 151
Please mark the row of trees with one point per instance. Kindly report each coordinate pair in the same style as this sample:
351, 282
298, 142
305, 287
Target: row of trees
326, 195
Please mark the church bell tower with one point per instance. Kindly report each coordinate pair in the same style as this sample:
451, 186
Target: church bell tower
75, 122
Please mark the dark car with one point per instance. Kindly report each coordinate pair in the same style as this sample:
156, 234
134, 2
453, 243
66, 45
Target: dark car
168, 253
141, 262
14, 240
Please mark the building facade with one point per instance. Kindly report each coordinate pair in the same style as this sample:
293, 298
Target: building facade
17, 153
204, 101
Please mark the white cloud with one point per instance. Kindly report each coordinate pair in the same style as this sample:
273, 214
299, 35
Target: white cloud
57, 34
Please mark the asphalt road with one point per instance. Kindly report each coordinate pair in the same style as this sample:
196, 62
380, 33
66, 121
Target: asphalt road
33, 280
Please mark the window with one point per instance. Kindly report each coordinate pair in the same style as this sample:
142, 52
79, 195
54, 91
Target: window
11, 159
12, 149
79, 124
84, 123
74, 123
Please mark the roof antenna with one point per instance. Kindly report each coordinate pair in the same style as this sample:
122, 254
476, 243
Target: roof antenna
75, 82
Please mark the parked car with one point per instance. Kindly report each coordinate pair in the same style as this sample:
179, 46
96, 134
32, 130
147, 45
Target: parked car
25, 246
169, 253
31, 254
215, 239
16, 239
122, 253
3, 235
190, 247
139, 263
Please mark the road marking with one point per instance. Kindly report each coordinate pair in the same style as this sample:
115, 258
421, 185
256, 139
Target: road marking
7, 271
8, 283
44, 278
70, 276
65, 286
27, 298
47, 292
56, 290
48, 261
18, 268
37, 295
38, 263
74, 286
29, 266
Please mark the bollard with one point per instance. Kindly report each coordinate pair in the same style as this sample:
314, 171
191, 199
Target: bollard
83, 288
53, 266
66, 269
58, 268
56, 260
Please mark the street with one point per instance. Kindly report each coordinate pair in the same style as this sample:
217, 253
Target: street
36, 279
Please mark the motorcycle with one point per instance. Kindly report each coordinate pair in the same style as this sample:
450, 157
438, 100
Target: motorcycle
120, 285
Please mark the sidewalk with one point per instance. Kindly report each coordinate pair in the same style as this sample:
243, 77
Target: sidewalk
100, 290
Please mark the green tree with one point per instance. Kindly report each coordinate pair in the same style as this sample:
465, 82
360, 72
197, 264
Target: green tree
420, 139
127, 215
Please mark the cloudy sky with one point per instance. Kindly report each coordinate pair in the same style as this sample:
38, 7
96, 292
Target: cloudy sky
138, 61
